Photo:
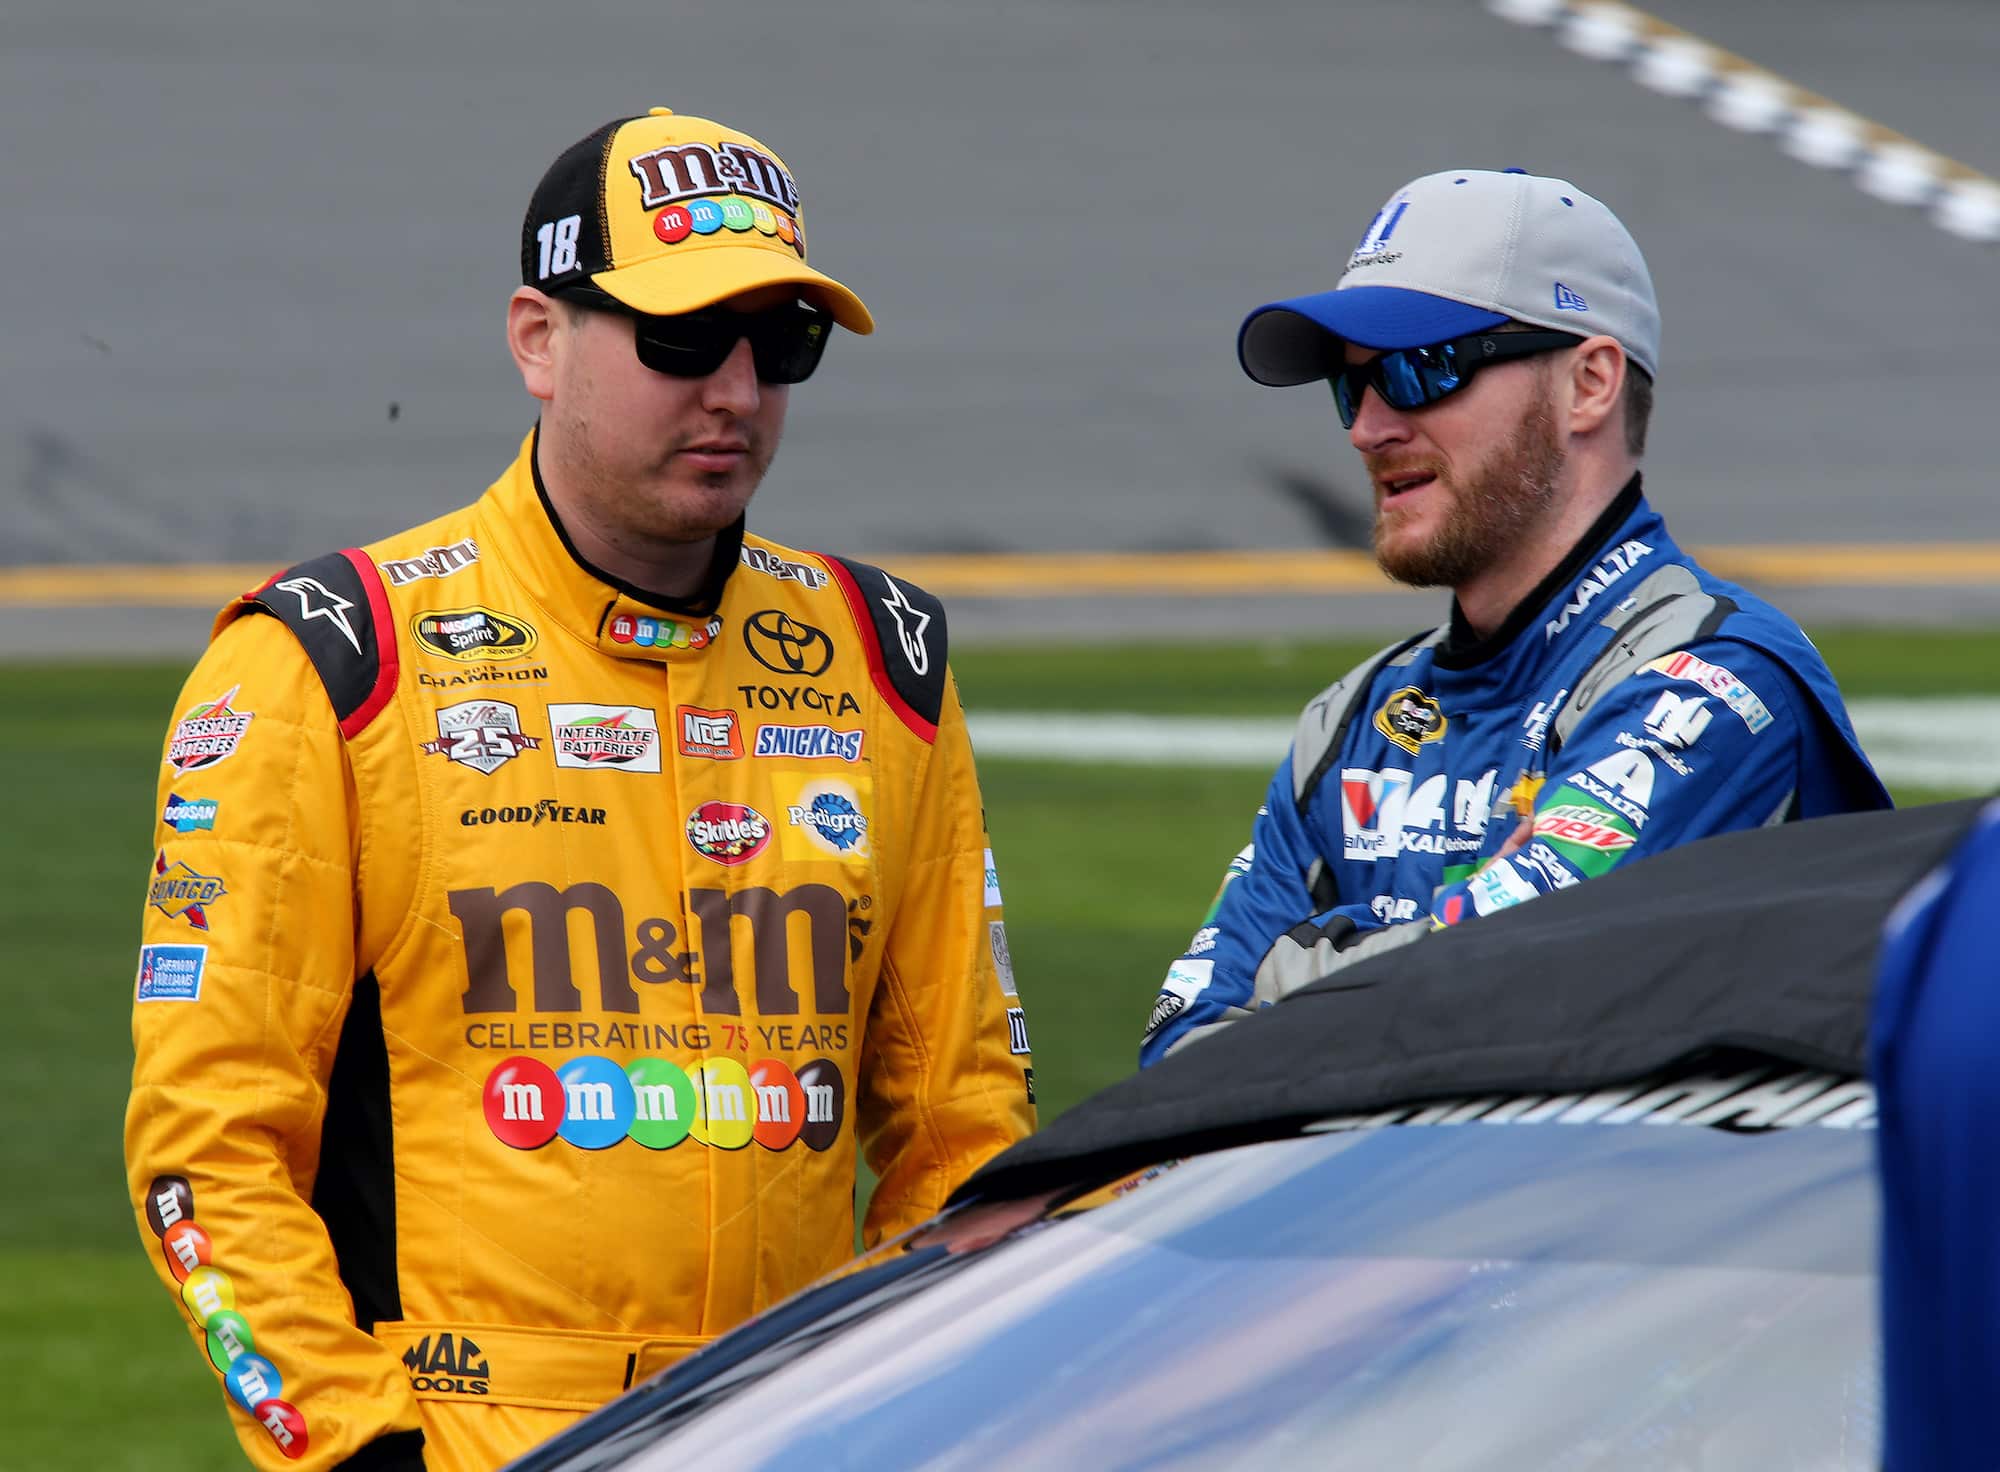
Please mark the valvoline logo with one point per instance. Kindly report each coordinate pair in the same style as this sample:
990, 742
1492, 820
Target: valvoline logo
728, 832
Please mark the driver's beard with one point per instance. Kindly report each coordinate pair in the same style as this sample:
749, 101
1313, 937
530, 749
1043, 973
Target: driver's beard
1490, 513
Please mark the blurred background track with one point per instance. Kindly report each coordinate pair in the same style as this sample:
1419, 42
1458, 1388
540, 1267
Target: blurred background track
262, 249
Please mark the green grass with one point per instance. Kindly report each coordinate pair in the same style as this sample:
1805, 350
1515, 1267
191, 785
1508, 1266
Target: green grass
1106, 871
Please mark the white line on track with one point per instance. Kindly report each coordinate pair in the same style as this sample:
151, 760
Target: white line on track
1936, 742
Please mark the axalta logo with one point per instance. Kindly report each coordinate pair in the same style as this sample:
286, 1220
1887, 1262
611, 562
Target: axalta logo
809, 742
207, 733
598, 737
728, 832
209, 1295
593, 1103
1613, 566
1382, 816
438, 562
473, 633
447, 1364
654, 954
662, 633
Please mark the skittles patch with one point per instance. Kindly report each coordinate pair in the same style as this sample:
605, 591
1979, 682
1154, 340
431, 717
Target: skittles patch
728, 832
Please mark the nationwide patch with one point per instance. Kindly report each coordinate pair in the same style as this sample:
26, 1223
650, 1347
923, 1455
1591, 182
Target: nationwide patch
207, 733
1411, 719
728, 832
187, 814
178, 892
481, 734
595, 738
475, 633
171, 973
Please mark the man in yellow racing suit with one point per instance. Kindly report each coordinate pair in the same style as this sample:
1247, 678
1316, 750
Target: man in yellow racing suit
538, 931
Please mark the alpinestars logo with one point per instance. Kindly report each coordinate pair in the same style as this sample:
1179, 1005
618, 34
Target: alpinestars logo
447, 1364
317, 600
910, 625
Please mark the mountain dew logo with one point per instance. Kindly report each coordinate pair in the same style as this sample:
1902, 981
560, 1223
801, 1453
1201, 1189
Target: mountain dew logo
1590, 836
599, 736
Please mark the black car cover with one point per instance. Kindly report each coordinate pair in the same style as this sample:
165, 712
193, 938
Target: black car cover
1761, 942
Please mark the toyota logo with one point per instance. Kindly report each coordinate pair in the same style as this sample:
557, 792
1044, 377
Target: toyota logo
785, 646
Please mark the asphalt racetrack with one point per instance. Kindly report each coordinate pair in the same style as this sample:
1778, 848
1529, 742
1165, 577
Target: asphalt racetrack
260, 250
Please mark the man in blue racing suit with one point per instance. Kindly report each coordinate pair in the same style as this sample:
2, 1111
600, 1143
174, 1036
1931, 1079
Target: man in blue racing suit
1595, 695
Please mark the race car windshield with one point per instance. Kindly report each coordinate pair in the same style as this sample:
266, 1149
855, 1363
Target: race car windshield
1541, 1296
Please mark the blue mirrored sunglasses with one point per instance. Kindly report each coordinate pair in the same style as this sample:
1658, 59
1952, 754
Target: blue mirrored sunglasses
1410, 378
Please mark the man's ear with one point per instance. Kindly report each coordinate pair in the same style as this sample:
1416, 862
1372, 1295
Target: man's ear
533, 323
1597, 374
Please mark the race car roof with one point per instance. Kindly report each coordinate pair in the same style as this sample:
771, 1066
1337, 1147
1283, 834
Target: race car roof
1761, 942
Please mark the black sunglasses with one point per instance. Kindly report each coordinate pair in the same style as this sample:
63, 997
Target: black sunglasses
785, 342
1409, 378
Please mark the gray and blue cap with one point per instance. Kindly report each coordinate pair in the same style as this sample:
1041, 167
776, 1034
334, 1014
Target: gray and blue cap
1460, 252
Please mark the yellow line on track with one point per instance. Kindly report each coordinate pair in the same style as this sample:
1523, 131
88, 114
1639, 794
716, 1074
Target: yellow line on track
1231, 574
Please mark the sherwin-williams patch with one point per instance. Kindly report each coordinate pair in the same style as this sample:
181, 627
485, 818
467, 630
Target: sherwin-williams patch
171, 973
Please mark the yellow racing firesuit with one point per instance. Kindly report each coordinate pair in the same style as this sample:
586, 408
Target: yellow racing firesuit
524, 961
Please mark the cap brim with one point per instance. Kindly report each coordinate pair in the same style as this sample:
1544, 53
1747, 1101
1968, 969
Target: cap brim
1295, 341
667, 286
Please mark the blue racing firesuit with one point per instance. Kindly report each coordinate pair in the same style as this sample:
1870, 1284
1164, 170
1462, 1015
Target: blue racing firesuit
1932, 1050
1631, 703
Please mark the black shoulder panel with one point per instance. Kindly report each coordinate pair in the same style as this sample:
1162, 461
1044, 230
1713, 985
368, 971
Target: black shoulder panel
908, 627
336, 607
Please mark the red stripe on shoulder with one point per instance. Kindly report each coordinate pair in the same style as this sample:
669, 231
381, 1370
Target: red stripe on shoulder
388, 668
878, 671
